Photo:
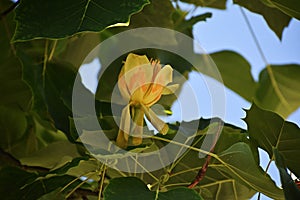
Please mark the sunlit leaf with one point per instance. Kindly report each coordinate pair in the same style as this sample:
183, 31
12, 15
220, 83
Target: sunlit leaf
278, 89
235, 72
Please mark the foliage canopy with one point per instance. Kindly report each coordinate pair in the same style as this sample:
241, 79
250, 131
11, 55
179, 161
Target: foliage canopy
42, 46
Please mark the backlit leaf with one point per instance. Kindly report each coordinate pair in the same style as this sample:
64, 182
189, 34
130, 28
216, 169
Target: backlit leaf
270, 131
278, 89
276, 19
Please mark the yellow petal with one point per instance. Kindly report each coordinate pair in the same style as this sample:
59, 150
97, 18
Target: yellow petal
158, 124
164, 76
123, 86
122, 138
170, 89
137, 72
134, 60
139, 78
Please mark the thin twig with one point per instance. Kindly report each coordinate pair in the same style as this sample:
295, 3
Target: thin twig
52, 50
254, 36
202, 171
101, 182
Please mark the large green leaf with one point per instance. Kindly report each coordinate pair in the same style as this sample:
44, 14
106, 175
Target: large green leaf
291, 191
290, 7
276, 19
134, 189
278, 89
239, 164
270, 131
236, 73
53, 156
59, 19
150, 16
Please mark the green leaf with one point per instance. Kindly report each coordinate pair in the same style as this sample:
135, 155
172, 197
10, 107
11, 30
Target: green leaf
134, 189
149, 16
90, 168
44, 185
17, 93
53, 156
11, 181
291, 191
220, 4
278, 89
85, 42
23, 133
51, 82
13, 125
54, 195
289, 7
240, 164
236, 73
270, 131
232, 174
60, 19
184, 25
276, 19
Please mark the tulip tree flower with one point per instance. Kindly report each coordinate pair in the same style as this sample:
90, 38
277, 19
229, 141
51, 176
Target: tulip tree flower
141, 83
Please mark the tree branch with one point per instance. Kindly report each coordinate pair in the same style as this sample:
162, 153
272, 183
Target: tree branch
204, 167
